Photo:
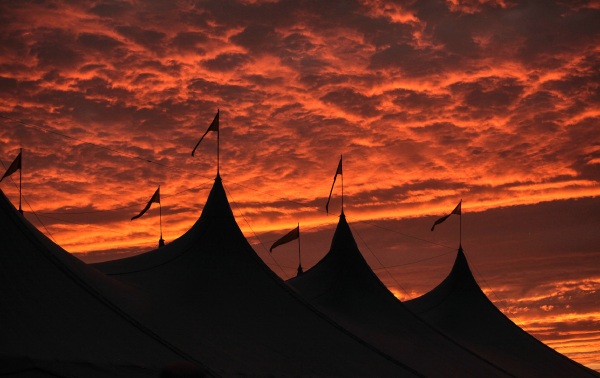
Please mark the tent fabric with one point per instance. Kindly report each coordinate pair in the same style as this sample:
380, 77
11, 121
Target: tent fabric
217, 299
55, 308
23, 367
459, 308
343, 285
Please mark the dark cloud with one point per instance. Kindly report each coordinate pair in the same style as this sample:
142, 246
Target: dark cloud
352, 102
492, 95
258, 38
229, 93
111, 8
91, 67
581, 84
149, 38
190, 42
558, 29
226, 62
446, 134
298, 42
102, 43
421, 102
584, 134
265, 81
81, 109
317, 80
8, 86
414, 62
101, 87
54, 49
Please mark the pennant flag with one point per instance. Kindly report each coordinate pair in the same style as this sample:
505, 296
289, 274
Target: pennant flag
457, 211
337, 172
155, 198
292, 235
214, 126
14, 166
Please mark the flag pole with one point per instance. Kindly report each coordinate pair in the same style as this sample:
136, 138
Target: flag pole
341, 160
299, 258
20, 180
218, 148
161, 242
460, 227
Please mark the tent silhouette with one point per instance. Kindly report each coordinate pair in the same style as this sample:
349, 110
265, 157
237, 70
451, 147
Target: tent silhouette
60, 317
343, 285
459, 308
215, 297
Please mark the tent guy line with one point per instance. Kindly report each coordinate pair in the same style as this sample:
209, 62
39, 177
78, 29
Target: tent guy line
254, 233
355, 231
24, 199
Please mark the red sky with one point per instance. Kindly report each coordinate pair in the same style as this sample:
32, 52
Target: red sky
494, 102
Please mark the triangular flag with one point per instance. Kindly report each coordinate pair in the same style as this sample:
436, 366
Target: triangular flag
214, 126
457, 211
292, 235
14, 166
155, 199
337, 172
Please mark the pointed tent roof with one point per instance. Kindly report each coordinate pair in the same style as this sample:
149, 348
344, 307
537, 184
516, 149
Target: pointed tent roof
343, 285
459, 308
55, 314
216, 297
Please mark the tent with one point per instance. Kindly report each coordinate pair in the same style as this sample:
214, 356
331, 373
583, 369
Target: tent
343, 285
58, 317
460, 309
215, 297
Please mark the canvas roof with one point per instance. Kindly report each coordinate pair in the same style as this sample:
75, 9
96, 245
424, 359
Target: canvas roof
343, 285
459, 308
217, 299
56, 313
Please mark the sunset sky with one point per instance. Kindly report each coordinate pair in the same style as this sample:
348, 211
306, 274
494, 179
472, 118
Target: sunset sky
495, 102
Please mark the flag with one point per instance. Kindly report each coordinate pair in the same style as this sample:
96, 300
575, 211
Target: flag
155, 198
337, 172
292, 235
457, 211
14, 166
214, 126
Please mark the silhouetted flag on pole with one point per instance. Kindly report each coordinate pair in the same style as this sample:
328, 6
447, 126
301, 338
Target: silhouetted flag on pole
457, 211
292, 235
14, 166
337, 172
214, 126
155, 198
